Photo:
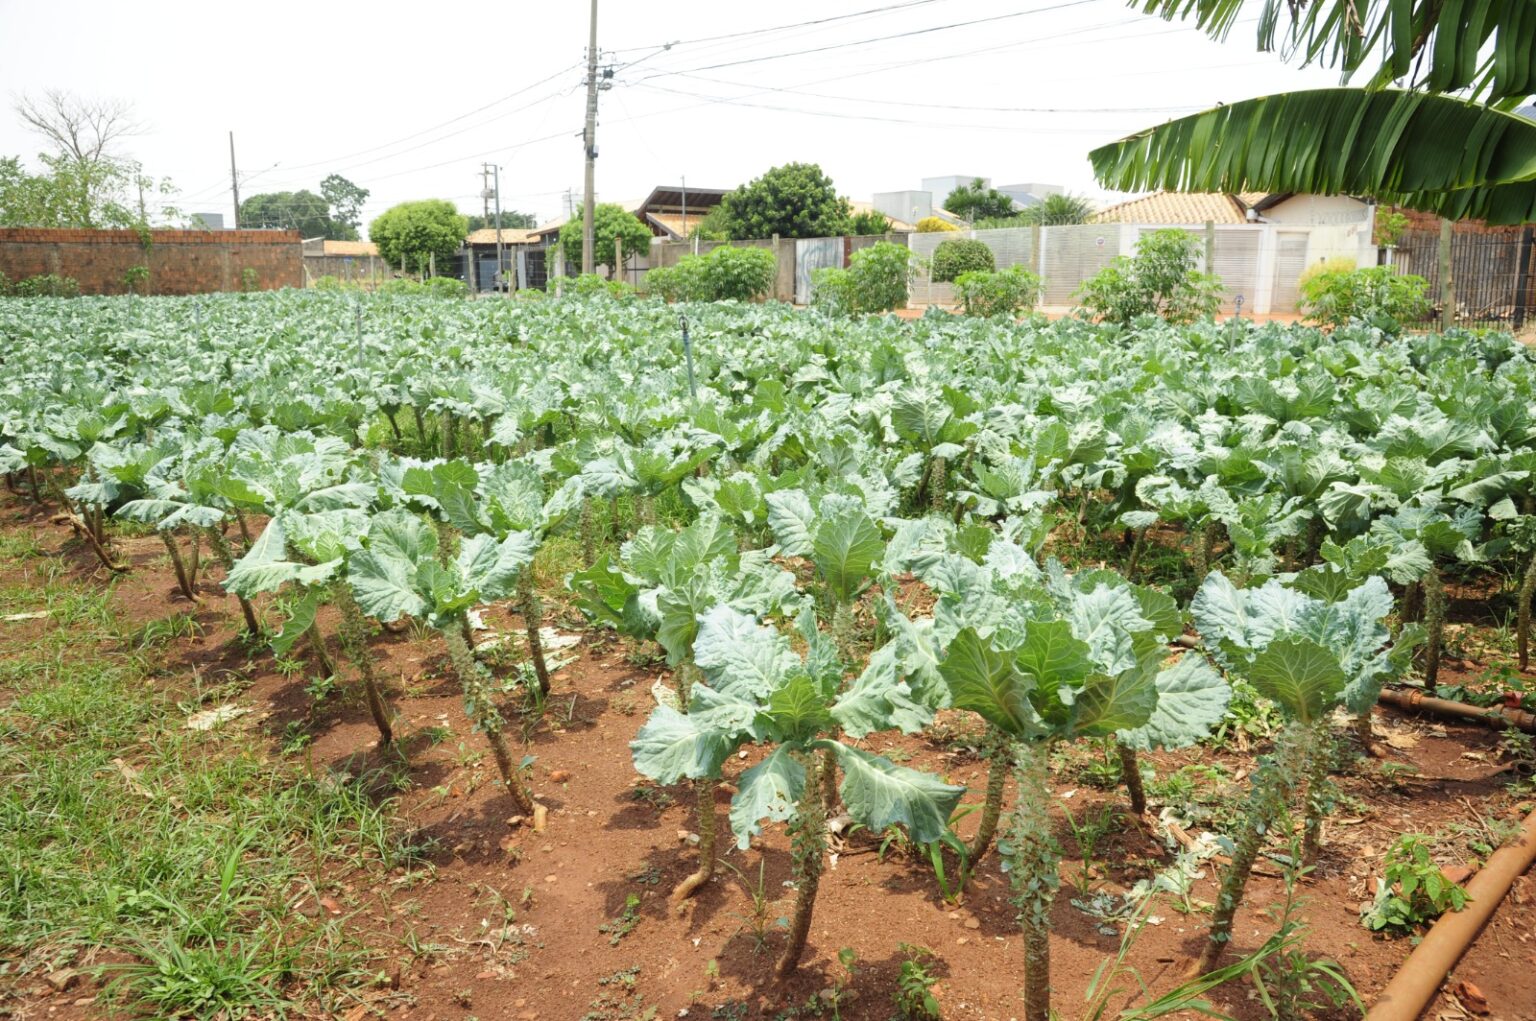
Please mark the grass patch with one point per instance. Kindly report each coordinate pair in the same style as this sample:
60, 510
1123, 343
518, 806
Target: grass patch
173, 860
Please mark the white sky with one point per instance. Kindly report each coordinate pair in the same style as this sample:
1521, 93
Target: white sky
407, 100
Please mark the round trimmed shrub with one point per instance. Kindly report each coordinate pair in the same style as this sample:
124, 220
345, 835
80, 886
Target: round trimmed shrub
934, 225
961, 255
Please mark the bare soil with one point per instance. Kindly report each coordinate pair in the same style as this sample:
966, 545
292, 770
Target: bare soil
504, 923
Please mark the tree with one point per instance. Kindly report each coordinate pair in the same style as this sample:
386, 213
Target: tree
303, 211
511, 219
609, 221
796, 200
87, 181
975, 201
1417, 146
344, 200
868, 223
416, 231
86, 131
1056, 211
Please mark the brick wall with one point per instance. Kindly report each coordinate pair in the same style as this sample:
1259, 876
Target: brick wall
179, 261
1422, 221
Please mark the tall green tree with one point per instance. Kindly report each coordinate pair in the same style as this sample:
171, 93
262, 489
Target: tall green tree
1056, 211
1401, 136
796, 200
303, 211
975, 201
344, 201
510, 219
416, 231
609, 221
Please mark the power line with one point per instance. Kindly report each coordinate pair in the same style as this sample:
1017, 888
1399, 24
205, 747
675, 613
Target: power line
779, 28
875, 39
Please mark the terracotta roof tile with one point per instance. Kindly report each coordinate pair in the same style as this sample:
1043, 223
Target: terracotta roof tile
1176, 207
509, 236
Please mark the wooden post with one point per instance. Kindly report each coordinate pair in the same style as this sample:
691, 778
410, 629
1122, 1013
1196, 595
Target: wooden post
618, 258
1447, 291
431, 264
1210, 244
1036, 253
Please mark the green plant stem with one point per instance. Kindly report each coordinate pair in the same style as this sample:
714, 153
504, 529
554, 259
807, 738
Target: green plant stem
226, 558
588, 534
183, 581
1523, 618
808, 842
1033, 874
992, 807
1434, 625
323, 654
477, 702
1130, 772
704, 791
1272, 788
353, 635
421, 427
194, 557
532, 610
1137, 546
1317, 798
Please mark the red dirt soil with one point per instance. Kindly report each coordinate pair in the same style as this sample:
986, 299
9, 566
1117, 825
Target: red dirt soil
603, 844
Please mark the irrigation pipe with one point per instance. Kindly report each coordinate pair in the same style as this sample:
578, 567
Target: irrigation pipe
1494, 716
1417, 701
1417, 981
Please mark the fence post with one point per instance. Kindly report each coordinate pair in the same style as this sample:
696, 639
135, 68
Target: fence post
1210, 244
618, 259
1447, 291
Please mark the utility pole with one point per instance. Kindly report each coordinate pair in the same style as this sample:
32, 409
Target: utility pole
685, 208
496, 172
234, 179
589, 142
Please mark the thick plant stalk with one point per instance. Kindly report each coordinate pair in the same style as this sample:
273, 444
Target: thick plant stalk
194, 557
588, 534
938, 483
353, 635
245, 529
82, 528
704, 790
1137, 545
477, 703
808, 842
323, 654
533, 614
1434, 625
183, 581
1523, 618
992, 807
226, 559
448, 436
1272, 788
1413, 602
421, 427
1130, 772
1317, 799
1034, 876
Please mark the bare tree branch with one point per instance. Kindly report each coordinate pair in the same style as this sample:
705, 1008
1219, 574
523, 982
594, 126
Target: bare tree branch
82, 129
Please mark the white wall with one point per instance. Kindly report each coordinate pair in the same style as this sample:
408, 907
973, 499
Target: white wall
1317, 211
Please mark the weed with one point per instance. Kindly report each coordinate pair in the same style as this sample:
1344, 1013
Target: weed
617, 928
647, 793
756, 922
914, 986
1412, 889
1088, 834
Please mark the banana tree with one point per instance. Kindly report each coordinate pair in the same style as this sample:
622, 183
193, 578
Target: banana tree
757, 690
1309, 656
1422, 147
397, 572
